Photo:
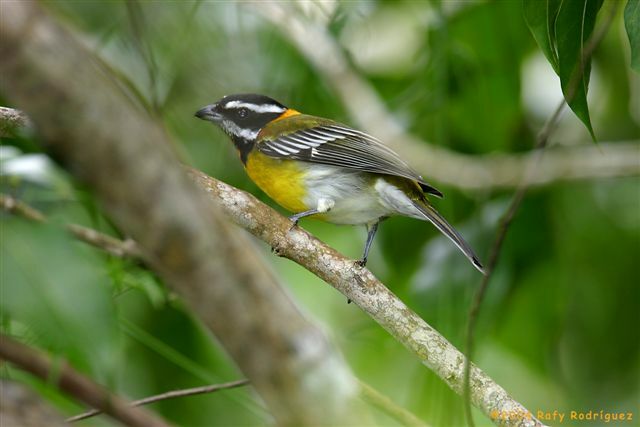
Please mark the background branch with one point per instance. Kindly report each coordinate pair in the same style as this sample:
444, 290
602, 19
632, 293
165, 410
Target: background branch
503, 170
21, 406
116, 247
506, 220
11, 120
370, 395
386, 405
75, 384
168, 395
467, 172
360, 286
183, 236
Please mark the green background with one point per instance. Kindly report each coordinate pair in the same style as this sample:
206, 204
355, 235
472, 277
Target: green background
559, 326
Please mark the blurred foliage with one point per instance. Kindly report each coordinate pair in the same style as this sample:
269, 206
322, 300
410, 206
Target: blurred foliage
632, 24
559, 327
562, 31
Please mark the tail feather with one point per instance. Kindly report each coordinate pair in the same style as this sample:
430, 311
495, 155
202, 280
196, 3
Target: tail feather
441, 224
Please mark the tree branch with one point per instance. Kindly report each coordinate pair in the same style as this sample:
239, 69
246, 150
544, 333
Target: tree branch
183, 236
516, 201
168, 395
358, 285
504, 171
366, 291
467, 172
113, 154
389, 407
11, 120
120, 249
75, 384
368, 393
22, 406
116, 247
361, 287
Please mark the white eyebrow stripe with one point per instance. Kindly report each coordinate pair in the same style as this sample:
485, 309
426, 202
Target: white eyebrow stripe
263, 108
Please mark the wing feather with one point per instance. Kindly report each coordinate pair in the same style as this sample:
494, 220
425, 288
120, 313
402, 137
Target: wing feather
338, 145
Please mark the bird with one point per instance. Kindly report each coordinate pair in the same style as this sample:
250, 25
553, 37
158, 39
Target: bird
316, 167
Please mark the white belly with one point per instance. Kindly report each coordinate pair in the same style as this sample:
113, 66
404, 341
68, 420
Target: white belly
356, 199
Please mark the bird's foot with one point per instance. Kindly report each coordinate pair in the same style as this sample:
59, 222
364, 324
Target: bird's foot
361, 263
294, 222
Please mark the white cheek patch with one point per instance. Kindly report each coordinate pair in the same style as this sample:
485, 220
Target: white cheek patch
262, 108
233, 129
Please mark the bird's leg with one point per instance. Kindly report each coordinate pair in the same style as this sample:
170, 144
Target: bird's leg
324, 205
372, 229
297, 217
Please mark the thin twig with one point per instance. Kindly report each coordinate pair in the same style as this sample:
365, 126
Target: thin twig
168, 395
137, 22
127, 248
23, 406
389, 407
12, 120
516, 201
16, 207
75, 384
116, 247
466, 172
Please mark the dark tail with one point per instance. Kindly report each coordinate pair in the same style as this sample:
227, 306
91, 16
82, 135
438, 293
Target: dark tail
441, 224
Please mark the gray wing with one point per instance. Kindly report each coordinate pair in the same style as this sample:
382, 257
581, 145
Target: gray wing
337, 145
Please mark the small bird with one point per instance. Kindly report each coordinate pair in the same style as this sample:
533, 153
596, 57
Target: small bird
314, 166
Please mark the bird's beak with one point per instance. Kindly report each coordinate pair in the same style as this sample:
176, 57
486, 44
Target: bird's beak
209, 113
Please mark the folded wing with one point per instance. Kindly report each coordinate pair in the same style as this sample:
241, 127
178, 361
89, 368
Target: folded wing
338, 145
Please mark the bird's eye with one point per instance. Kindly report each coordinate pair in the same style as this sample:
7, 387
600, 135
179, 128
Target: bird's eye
243, 112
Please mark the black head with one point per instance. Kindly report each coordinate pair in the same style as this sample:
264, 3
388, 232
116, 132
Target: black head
242, 116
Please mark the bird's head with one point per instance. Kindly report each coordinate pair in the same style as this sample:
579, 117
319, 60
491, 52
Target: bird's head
242, 116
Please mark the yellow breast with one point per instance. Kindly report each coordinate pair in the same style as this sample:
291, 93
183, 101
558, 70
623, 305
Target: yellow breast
282, 180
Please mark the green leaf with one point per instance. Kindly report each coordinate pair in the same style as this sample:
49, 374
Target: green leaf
632, 24
561, 28
574, 26
541, 19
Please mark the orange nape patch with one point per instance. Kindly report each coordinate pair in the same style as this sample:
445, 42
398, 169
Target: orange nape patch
288, 113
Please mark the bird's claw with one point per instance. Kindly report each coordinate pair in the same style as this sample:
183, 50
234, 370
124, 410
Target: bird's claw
361, 263
294, 223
